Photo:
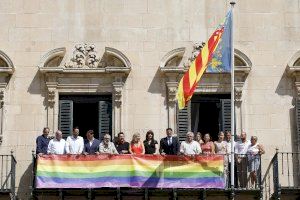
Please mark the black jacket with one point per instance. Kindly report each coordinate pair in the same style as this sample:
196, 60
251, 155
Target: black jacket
172, 149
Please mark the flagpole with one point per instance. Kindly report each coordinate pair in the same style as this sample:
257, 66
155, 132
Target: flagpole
232, 3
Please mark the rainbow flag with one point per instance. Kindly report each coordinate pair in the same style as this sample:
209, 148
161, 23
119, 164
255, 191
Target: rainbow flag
190, 79
143, 171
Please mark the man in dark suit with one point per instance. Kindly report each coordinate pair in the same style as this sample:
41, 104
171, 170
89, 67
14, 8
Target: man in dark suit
170, 144
91, 144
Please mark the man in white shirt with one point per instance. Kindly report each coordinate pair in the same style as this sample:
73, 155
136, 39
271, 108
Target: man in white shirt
74, 143
190, 147
57, 144
228, 150
240, 149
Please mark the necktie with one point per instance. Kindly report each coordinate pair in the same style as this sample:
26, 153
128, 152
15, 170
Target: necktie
169, 141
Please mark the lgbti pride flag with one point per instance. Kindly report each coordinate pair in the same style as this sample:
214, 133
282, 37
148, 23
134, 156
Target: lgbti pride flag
218, 57
143, 171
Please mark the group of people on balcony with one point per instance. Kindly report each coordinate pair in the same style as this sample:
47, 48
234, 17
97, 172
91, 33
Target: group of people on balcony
247, 153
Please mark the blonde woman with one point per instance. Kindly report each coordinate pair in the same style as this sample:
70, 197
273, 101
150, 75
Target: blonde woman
136, 146
254, 151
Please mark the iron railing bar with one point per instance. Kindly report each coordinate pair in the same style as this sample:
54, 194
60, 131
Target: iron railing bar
269, 167
288, 168
282, 163
6, 170
1, 171
6, 180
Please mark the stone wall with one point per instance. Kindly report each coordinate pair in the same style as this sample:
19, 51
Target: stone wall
145, 30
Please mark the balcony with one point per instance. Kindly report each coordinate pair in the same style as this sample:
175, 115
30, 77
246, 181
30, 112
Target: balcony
226, 192
7, 176
282, 177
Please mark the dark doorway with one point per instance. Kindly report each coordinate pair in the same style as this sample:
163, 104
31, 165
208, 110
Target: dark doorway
209, 114
85, 116
88, 112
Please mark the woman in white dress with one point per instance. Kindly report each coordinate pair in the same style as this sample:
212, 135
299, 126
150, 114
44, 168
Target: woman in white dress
253, 153
221, 148
221, 145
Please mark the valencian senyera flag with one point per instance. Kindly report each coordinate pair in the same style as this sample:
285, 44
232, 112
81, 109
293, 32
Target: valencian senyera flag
215, 56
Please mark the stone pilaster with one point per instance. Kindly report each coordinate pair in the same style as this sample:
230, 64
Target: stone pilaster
117, 106
171, 95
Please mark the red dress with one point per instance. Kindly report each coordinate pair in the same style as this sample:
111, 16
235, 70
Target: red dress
206, 147
137, 149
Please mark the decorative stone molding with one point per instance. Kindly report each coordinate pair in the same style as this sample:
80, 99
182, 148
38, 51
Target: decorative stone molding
293, 70
196, 50
172, 90
85, 72
83, 55
6, 71
117, 92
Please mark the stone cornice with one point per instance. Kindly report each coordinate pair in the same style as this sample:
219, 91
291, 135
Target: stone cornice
63, 70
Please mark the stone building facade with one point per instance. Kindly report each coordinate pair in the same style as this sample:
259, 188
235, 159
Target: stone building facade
134, 51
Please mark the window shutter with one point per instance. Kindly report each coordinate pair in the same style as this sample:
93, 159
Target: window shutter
105, 118
225, 114
183, 122
298, 122
65, 123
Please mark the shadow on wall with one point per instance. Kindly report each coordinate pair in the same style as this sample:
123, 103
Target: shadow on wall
24, 188
157, 86
37, 86
284, 87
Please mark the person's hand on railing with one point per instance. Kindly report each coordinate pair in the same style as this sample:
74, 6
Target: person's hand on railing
97, 153
124, 151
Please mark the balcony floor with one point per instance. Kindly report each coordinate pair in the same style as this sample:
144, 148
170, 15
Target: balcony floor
136, 194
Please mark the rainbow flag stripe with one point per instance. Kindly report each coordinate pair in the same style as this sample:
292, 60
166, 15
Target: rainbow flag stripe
148, 171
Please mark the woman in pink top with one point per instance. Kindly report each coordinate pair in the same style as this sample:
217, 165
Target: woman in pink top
207, 147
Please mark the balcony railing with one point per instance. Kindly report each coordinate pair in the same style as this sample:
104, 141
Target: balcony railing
7, 175
242, 184
282, 175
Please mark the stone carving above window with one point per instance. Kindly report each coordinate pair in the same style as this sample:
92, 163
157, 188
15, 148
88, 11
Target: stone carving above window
84, 55
196, 50
84, 72
85, 59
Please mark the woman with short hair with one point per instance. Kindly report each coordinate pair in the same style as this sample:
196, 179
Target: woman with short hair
253, 153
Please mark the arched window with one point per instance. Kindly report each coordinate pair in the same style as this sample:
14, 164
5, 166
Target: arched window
6, 70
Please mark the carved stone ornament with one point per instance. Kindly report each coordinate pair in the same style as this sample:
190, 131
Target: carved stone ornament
172, 90
51, 97
196, 50
83, 55
238, 94
1, 97
117, 91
